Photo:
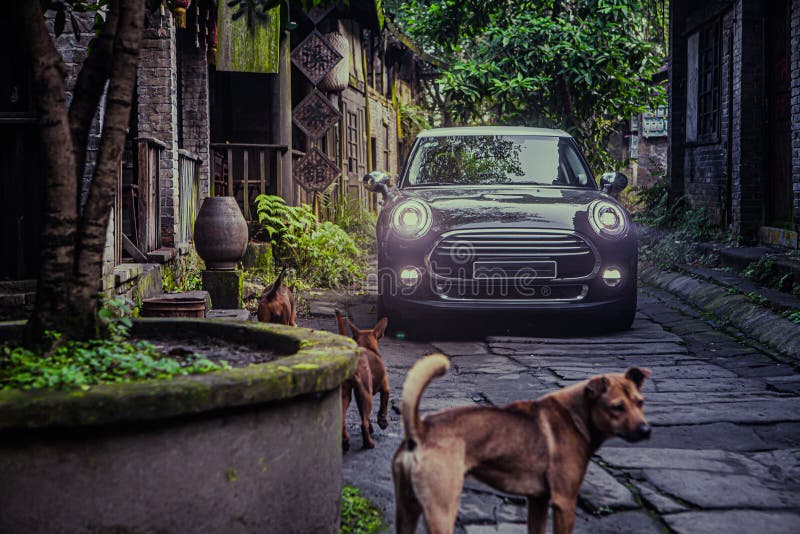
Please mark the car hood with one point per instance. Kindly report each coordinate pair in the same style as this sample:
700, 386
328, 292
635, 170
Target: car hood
542, 207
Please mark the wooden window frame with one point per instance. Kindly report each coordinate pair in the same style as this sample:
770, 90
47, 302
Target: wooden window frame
351, 141
708, 82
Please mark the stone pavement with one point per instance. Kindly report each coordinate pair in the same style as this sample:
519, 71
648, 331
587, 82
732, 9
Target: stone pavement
725, 451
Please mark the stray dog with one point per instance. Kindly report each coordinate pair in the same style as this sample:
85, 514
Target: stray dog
538, 448
276, 304
370, 377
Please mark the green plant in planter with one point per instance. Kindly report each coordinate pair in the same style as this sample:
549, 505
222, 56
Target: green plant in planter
82, 364
86, 363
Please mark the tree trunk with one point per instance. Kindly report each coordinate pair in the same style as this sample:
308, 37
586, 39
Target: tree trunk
53, 308
88, 267
70, 278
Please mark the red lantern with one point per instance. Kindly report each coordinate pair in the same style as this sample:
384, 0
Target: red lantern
211, 39
180, 12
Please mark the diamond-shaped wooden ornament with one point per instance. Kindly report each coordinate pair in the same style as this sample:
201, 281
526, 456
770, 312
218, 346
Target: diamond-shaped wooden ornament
315, 172
315, 57
317, 13
315, 115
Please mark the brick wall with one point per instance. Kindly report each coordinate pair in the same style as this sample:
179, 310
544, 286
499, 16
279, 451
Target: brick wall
725, 175
194, 95
705, 165
73, 52
157, 111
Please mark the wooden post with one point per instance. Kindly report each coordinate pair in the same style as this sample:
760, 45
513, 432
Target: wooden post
367, 127
262, 187
283, 135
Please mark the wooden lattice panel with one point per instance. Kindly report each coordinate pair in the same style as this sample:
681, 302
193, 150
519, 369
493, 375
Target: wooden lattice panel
315, 115
315, 57
315, 172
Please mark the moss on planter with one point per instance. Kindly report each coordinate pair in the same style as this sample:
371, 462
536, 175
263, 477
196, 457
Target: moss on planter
313, 362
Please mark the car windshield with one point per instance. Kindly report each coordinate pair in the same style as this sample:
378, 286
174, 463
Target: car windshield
497, 160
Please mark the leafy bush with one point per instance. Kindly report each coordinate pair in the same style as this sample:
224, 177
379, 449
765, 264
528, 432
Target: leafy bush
330, 256
322, 253
351, 215
659, 210
359, 515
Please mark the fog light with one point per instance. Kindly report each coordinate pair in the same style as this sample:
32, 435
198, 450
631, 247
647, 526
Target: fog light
409, 276
612, 276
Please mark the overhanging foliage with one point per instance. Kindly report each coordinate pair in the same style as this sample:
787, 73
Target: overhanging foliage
580, 65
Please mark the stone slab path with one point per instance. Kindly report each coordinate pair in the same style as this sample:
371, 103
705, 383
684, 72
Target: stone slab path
725, 451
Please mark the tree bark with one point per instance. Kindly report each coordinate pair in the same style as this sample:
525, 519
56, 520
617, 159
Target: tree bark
88, 266
89, 90
53, 303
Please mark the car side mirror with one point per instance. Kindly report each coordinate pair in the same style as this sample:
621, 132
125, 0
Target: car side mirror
613, 183
378, 182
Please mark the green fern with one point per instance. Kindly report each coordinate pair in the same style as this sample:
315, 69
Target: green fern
323, 254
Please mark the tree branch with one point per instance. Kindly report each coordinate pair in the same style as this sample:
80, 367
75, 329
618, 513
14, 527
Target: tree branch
89, 89
88, 267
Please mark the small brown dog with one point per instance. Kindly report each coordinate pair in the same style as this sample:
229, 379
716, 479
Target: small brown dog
538, 448
276, 304
370, 377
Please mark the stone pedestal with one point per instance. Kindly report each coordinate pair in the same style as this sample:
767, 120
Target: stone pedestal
224, 287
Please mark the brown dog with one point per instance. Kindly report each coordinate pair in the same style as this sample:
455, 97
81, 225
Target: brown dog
370, 377
276, 304
538, 448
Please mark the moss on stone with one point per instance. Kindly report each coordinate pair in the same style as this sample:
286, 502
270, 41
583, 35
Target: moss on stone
313, 362
225, 288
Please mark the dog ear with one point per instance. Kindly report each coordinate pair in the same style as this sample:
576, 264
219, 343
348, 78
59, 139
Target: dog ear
637, 375
596, 387
380, 328
353, 328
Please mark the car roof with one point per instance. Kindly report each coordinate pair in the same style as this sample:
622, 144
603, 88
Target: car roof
492, 130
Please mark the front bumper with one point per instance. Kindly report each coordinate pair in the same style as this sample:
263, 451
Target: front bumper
419, 308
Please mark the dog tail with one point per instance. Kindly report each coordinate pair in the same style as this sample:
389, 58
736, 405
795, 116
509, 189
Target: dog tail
340, 322
278, 283
417, 379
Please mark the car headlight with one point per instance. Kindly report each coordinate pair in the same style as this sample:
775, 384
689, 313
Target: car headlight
411, 219
607, 219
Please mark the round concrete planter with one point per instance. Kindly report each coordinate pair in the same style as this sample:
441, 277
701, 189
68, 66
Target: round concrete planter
252, 449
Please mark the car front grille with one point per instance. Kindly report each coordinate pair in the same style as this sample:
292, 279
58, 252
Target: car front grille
556, 255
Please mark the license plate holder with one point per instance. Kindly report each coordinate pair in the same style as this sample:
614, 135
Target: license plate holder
515, 270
